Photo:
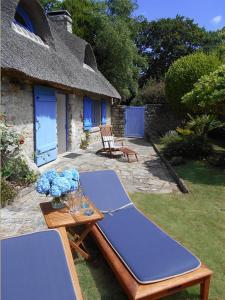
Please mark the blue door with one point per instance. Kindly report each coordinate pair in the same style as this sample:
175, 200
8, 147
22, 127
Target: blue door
45, 125
134, 117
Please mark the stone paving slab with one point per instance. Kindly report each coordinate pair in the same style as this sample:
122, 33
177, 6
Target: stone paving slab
148, 175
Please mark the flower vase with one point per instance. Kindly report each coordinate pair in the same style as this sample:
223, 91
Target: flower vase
58, 202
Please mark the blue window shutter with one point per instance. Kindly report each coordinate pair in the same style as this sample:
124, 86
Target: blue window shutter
87, 113
103, 113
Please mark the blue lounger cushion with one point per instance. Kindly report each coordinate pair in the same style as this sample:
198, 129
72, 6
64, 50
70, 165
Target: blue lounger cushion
148, 252
34, 266
104, 189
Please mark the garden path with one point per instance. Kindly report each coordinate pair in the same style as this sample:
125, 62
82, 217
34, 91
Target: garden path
148, 175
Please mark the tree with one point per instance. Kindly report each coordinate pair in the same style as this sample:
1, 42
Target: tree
165, 40
109, 27
184, 73
208, 94
122, 8
50, 4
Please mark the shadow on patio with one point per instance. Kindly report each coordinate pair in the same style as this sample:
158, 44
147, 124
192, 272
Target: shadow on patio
146, 175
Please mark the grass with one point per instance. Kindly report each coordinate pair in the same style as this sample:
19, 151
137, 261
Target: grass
197, 220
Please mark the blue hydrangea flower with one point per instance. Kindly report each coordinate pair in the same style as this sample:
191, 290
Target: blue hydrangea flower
62, 183
75, 174
55, 191
42, 185
74, 185
50, 175
67, 174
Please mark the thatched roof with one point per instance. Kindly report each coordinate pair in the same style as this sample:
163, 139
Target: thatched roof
62, 59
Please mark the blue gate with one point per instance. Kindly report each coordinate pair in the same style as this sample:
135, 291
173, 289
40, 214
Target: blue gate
45, 125
134, 117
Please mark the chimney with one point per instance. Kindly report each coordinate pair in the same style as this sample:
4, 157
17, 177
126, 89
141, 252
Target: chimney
62, 18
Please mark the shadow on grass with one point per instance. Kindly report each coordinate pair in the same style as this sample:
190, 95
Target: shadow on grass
200, 172
102, 284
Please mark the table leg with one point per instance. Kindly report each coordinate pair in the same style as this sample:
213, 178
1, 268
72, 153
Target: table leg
79, 241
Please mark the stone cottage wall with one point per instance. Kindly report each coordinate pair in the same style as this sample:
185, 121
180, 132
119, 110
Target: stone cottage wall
118, 120
17, 103
159, 119
75, 121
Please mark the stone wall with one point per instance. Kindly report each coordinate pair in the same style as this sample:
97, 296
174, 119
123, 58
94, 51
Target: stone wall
118, 120
159, 119
75, 121
17, 103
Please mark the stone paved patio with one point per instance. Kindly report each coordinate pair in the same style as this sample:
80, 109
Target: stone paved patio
148, 175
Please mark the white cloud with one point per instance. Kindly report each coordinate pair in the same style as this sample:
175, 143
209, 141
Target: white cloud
216, 20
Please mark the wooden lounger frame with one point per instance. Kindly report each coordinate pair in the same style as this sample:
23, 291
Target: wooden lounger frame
152, 291
70, 262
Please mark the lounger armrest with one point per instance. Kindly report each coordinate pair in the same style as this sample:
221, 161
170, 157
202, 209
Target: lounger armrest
70, 262
120, 140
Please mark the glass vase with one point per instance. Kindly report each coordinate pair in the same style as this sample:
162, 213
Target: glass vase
58, 202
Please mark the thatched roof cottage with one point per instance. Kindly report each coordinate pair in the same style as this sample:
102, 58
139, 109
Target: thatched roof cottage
51, 85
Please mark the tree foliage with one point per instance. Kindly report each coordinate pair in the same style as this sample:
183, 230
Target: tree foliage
208, 94
165, 40
109, 27
184, 73
129, 50
152, 92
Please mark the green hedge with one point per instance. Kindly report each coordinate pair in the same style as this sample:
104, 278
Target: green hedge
208, 94
184, 73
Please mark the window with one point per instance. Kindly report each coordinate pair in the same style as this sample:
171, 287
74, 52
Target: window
96, 113
22, 18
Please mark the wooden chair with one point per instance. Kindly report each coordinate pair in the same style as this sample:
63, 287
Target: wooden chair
109, 142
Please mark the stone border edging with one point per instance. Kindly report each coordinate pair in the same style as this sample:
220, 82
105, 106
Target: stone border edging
171, 170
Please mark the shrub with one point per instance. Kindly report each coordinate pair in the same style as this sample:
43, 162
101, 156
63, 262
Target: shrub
85, 141
10, 140
152, 92
16, 170
208, 94
171, 137
184, 73
202, 125
8, 192
190, 147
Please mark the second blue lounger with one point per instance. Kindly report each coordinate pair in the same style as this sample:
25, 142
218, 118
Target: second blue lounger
34, 266
147, 251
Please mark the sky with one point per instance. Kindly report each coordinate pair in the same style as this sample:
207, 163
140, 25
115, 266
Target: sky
207, 13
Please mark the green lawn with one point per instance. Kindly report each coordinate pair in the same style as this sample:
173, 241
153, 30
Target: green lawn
197, 220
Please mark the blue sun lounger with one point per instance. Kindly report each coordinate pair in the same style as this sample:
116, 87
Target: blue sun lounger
135, 246
38, 266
